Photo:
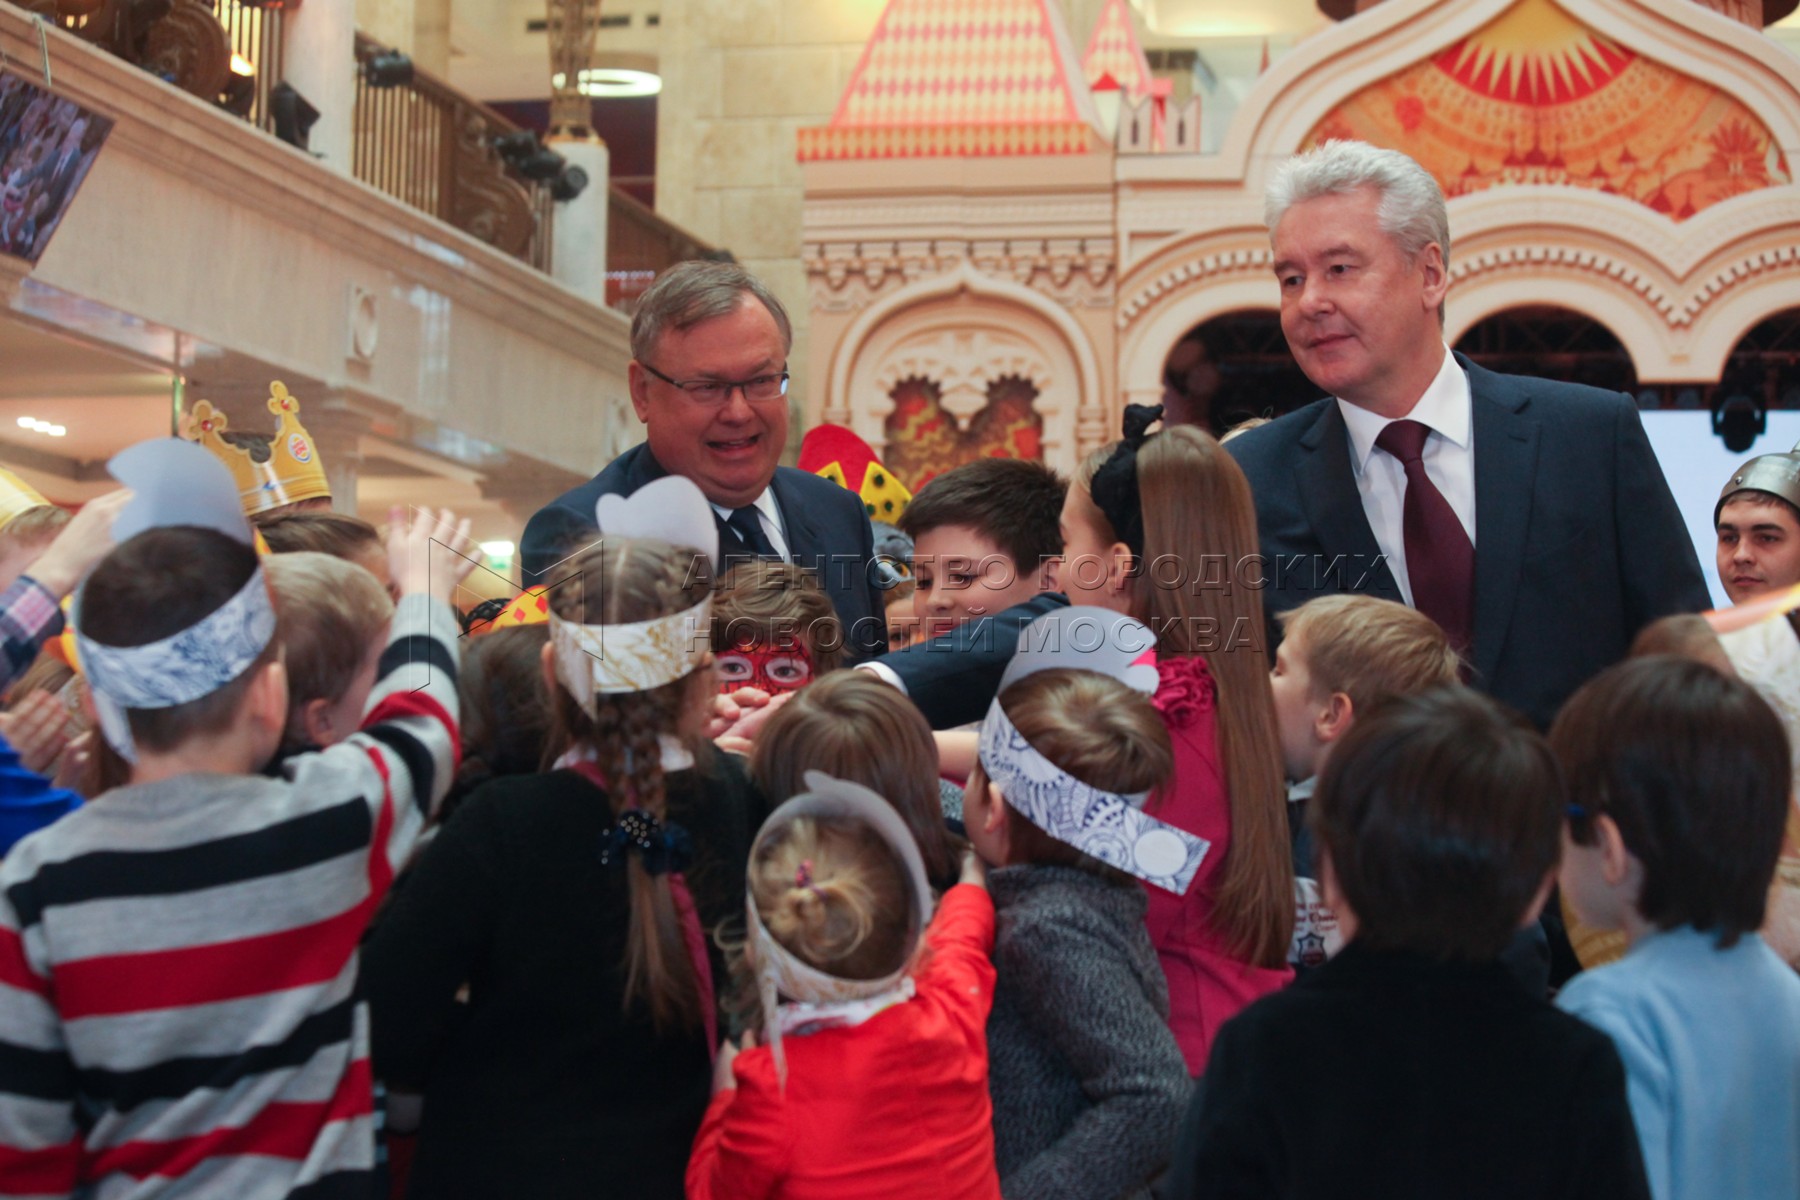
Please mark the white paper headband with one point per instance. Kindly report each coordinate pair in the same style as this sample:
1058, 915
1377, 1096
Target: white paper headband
1110, 826
617, 659
176, 482
779, 972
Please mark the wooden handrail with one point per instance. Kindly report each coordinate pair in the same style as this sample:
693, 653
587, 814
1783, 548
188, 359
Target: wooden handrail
431, 146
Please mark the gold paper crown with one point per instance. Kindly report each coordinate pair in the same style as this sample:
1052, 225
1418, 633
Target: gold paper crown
16, 496
285, 470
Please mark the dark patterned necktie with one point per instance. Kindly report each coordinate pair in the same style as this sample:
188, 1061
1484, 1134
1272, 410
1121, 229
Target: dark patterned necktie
746, 524
1440, 560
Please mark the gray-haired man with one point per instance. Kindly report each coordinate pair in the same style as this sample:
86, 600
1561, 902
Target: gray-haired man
709, 378
1527, 517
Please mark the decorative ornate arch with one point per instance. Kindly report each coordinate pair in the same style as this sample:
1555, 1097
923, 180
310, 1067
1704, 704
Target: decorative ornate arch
966, 330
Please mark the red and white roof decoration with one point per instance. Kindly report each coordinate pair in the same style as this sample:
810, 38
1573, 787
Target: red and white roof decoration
1114, 53
962, 78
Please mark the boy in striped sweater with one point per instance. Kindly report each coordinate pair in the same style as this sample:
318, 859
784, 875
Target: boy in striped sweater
178, 959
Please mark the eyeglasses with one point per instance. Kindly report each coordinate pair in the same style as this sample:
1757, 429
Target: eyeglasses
718, 391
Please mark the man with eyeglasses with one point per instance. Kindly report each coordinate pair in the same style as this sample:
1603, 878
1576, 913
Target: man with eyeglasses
709, 380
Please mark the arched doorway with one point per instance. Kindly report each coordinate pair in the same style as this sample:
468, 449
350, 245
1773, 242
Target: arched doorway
1550, 343
1231, 368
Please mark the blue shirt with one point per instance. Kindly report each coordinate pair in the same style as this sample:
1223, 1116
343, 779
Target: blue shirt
1711, 1043
27, 801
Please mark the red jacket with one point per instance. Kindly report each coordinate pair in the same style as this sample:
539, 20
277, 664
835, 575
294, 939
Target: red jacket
894, 1108
1207, 986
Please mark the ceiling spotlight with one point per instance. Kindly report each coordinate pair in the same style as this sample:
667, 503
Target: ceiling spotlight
388, 69
294, 117
48, 428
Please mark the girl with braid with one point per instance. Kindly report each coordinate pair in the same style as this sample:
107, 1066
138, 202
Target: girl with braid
543, 976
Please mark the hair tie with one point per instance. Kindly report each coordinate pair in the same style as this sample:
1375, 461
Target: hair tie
803, 878
660, 845
1114, 487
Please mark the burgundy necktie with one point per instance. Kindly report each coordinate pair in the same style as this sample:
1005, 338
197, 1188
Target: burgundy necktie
1440, 561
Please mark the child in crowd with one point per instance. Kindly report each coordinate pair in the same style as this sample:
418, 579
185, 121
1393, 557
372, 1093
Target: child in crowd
506, 710
852, 726
1088, 1080
180, 955
334, 628
1413, 1064
1678, 781
1339, 658
325, 532
1145, 519
773, 628
573, 904
903, 625
984, 539
865, 1074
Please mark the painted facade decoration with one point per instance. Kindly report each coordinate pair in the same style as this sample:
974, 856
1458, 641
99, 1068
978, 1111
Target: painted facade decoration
1631, 160
1536, 97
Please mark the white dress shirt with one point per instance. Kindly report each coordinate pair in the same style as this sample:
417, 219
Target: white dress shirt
1449, 458
769, 513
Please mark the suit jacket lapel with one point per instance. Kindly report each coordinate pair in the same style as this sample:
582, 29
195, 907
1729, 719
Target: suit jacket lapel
802, 536
1334, 505
1506, 447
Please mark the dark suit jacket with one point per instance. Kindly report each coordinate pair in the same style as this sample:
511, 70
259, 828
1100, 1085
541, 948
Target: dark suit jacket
827, 531
1390, 1075
952, 679
1578, 542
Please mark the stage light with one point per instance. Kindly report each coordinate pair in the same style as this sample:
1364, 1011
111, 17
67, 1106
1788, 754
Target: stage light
294, 117
541, 165
388, 69
569, 183
1739, 420
516, 145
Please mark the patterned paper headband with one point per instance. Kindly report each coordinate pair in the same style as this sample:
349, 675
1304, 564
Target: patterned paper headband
781, 973
1110, 826
176, 483
616, 659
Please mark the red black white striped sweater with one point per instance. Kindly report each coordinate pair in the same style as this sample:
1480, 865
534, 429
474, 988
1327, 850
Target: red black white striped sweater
178, 961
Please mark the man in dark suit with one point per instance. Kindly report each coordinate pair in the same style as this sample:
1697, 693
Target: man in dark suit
708, 379
1528, 517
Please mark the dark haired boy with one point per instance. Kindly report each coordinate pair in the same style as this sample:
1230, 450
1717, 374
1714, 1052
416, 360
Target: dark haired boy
1678, 782
178, 959
1413, 1064
986, 542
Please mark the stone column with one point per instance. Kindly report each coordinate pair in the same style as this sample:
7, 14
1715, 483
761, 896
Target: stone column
337, 431
319, 59
578, 238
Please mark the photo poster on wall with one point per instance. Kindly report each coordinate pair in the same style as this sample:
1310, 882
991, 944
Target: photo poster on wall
47, 144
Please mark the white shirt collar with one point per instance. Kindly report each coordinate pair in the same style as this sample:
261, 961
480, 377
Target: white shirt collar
1444, 408
764, 504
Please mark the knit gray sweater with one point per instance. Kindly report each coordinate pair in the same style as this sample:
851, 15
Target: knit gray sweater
1088, 1082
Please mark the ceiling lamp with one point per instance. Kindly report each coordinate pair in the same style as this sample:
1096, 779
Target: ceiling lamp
610, 83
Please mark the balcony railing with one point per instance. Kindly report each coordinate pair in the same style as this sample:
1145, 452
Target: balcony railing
430, 146
639, 245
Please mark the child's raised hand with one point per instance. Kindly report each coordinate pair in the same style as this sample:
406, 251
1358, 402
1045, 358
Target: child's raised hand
431, 553
723, 1079
750, 723
84, 541
728, 710
35, 728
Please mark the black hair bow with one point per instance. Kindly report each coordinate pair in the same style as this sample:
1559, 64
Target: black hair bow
1115, 485
660, 845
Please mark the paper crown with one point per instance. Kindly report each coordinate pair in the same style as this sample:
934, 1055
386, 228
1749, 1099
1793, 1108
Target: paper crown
837, 454
529, 607
16, 496
285, 470
1109, 826
614, 659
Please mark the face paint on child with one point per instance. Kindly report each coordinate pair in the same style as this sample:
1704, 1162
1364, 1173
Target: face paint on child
774, 669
